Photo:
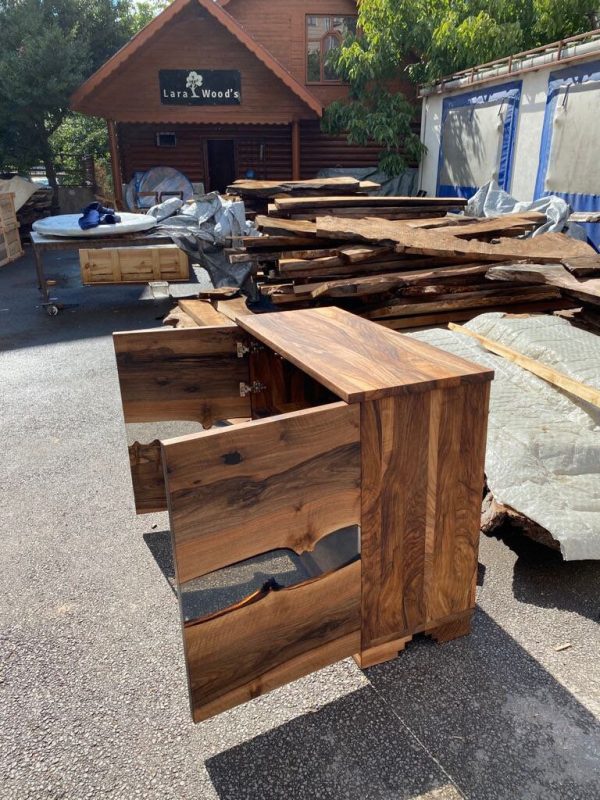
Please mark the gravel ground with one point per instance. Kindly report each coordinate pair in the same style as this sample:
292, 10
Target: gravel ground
93, 700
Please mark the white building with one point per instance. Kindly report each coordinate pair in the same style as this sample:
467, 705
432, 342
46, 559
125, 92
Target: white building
530, 121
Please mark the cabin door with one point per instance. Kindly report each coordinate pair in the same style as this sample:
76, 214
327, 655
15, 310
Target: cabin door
220, 161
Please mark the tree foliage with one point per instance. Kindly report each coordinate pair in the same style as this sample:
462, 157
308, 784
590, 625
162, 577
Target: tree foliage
49, 47
422, 40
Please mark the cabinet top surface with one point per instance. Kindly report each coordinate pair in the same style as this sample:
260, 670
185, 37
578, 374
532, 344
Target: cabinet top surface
358, 359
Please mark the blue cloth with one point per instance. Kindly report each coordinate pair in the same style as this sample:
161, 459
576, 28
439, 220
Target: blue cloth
96, 214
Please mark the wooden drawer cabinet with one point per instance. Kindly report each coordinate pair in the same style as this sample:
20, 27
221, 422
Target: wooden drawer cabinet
348, 424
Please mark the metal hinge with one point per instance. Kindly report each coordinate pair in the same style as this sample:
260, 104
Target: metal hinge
256, 387
243, 349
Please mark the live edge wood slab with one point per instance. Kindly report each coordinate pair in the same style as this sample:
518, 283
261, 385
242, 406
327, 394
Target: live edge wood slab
350, 424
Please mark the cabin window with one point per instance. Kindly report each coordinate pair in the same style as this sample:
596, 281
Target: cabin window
166, 139
324, 33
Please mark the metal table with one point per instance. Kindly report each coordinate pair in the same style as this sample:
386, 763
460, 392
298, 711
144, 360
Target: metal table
41, 244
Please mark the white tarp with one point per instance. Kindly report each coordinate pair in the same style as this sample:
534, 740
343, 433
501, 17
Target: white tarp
472, 144
573, 165
543, 449
21, 188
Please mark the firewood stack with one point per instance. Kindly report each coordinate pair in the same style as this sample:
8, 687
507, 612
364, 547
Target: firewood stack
404, 262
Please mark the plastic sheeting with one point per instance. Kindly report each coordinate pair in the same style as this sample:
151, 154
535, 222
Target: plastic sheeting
202, 227
477, 139
569, 162
158, 180
492, 201
543, 447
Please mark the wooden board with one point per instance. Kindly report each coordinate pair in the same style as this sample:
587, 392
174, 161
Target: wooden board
547, 247
586, 289
422, 467
287, 227
583, 266
283, 482
204, 313
251, 649
340, 201
464, 315
266, 189
149, 491
374, 284
404, 307
357, 360
578, 389
133, 264
496, 225
189, 374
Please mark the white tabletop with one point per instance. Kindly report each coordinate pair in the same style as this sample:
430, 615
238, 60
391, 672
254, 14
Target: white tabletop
68, 225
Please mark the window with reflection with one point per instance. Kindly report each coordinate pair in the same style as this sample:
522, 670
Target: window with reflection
324, 33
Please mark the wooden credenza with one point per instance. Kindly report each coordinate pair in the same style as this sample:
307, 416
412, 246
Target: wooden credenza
346, 424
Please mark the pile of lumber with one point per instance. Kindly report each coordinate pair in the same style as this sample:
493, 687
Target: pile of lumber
257, 195
420, 270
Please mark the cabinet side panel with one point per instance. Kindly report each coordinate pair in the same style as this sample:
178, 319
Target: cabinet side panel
452, 570
395, 479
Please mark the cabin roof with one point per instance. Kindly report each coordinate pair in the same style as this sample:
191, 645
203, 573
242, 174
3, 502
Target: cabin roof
220, 15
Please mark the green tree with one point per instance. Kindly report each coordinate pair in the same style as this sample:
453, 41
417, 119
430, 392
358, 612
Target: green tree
48, 48
422, 40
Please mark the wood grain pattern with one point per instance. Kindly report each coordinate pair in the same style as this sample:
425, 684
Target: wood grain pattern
189, 374
586, 289
355, 359
283, 482
395, 458
547, 247
147, 476
422, 483
289, 633
286, 388
204, 313
456, 476
133, 265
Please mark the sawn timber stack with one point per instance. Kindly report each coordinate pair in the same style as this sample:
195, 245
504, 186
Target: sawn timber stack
407, 273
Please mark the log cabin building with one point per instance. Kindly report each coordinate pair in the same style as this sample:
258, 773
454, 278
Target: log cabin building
219, 88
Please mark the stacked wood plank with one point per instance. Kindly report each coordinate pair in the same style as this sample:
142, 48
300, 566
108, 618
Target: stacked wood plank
257, 194
405, 273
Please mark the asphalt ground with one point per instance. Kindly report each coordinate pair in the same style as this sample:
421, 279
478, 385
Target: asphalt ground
93, 698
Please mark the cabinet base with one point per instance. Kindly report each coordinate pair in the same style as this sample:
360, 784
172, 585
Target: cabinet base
451, 628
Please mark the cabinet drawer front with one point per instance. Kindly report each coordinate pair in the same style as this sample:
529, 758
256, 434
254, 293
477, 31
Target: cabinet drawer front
282, 482
186, 374
234, 493
176, 375
250, 649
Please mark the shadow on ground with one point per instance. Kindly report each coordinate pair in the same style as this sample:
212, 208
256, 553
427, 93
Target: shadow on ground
543, 579
500, 724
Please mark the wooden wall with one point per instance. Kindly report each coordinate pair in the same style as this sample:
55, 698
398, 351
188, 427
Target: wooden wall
194, 40
139, 151
280, 26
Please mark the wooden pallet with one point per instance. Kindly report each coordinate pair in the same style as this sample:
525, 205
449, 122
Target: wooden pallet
112, 265
10, 241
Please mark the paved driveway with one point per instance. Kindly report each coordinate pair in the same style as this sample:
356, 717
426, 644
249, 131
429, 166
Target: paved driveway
93, 701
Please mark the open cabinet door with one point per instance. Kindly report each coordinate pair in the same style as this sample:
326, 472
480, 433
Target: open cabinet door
169, 375
284, 482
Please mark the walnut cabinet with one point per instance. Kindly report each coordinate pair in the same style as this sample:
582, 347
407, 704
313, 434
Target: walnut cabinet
336, 422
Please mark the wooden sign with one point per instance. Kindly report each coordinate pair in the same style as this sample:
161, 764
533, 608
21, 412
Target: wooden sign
200, 87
